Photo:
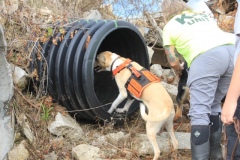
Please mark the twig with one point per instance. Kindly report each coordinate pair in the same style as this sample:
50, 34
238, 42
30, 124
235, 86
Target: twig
114, 146
179, 126
35, 42
35, 106
43, 78
159, 31
155, 42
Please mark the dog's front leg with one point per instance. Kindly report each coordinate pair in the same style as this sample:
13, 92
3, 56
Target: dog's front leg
126, 106
116, 102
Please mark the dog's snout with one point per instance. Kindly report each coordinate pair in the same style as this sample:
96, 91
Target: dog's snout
97, 67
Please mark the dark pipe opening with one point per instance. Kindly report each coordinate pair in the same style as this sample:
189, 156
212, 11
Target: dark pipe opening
125, 43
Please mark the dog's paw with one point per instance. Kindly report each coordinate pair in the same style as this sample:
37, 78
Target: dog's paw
120, 110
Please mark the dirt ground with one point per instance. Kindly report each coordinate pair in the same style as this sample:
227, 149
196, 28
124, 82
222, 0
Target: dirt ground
44, 144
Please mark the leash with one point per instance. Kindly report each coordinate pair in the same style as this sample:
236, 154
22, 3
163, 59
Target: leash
81, 110
225, 141
237, 128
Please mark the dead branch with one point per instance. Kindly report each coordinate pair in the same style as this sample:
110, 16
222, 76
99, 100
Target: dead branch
154, 24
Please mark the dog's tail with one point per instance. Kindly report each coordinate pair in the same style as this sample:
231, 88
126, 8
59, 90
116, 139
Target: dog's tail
161, 117
181, 97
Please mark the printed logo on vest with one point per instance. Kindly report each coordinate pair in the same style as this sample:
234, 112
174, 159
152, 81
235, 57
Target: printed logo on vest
197, 134
190, 20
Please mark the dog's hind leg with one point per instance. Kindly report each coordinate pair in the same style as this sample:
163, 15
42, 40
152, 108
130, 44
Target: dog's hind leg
116, 102
169, 127
152, 128
126, 106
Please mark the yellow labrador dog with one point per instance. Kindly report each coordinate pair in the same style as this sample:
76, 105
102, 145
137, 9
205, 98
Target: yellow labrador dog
153, 96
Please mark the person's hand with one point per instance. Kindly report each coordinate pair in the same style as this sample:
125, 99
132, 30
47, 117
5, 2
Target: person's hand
228, 111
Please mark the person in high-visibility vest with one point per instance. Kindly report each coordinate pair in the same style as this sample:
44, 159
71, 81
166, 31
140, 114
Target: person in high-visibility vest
209, 53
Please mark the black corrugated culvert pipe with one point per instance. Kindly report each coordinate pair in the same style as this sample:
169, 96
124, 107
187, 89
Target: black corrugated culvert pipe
71, 54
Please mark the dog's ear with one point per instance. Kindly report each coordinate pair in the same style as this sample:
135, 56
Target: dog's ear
101, 59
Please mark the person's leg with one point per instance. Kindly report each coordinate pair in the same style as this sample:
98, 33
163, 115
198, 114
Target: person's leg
199, 115
204, 75
232, 137
215, 138
200, 142
216, 123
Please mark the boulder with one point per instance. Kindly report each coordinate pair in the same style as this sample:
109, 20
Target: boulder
65, 125
6, 93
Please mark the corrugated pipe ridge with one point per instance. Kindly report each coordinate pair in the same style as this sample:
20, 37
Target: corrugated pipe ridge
72, 80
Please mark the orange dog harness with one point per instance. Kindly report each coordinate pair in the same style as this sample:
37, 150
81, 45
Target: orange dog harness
138, 80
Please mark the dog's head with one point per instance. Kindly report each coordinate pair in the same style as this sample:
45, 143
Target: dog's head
104, 61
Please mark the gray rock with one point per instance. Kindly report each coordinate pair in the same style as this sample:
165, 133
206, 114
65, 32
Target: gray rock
6, 82
86, 152
10, 7
113, 138
157, 70
66, 126
24, 123
20, 77
143, 146
150, 54
140, 144
6, 93
18, 153
6, 132
92, 14
51, 156
171, 89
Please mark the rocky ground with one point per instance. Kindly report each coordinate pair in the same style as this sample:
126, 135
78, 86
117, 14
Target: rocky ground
56, 135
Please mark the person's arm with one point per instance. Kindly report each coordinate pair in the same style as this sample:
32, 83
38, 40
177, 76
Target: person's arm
233, 93
173, 58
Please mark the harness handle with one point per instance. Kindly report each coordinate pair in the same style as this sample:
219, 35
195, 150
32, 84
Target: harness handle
134, 71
